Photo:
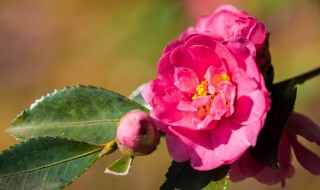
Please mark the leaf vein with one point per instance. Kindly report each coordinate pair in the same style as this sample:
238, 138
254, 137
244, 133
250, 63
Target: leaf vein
53, 164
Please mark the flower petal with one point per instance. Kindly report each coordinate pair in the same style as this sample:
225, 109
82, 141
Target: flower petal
185, 80
218, 107
248, 165
236, 174
253, 130
250, 108
301, 125
165, 68
309, 160
229, 141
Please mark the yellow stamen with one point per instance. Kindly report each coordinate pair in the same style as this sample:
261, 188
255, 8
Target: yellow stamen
202, 90
216, 79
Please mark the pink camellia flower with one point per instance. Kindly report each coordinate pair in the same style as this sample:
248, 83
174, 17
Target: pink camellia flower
298, 124
210, 98
137, 134
228, 22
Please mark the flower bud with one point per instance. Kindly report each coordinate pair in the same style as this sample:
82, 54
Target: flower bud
137, 134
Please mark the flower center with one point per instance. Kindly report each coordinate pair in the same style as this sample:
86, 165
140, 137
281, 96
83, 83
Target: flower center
216, 79
202, 90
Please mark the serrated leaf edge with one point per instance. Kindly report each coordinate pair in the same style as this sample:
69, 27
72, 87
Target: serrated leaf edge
65, 88
99, 148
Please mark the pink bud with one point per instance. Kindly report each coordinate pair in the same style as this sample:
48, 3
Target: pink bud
137, 134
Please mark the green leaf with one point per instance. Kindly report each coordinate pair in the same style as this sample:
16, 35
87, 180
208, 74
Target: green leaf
82, 113
137, 97
45, 163
267, 148
217, 185
120, 167
183, 176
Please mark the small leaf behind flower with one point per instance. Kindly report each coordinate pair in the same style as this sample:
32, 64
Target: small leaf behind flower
120, 167
183, 176
137, 97
217, 185
283, 97
45, 163
82, 113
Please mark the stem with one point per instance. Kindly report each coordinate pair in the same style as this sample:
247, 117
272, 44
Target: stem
109, 148
304, 77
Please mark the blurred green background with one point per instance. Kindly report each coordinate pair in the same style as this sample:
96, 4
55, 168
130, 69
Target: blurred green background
115, 44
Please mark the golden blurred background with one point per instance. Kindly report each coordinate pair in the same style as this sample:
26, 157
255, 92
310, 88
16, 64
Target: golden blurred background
115, 44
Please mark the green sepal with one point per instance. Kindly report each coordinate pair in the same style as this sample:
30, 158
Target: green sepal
120, 166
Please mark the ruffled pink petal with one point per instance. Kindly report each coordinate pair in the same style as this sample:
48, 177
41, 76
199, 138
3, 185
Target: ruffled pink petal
205, 157
186, 106
165, 68
245, 52
182, 57
257, 35
301, 125
190, 118
164, 105
172, 45
180, 147
150, 90
309, 160
221, 22
196, 146
225, 54
208, 123
201, 41
218, 107
202, 100
229, 141
202, 50
229, 91
185, 80
147, 92
253, 130
249, 108
242, 25
245, 83
227, 9
218, 69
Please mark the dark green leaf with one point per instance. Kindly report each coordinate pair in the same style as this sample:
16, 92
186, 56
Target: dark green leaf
45, 163
137, 97
300, 79
283, 97
120, 167
183, 176
82, 113
217, 185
